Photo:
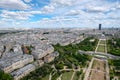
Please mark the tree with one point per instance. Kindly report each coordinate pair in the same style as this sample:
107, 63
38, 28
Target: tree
5, 76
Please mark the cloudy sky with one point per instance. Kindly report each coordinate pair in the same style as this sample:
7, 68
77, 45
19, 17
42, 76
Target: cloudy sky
59, 13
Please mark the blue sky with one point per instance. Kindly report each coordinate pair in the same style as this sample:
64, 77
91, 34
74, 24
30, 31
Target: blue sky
59, 13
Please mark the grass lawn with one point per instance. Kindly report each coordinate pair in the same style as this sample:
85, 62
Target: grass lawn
102, 41
67, 75
46, 78
76, 77
101, 48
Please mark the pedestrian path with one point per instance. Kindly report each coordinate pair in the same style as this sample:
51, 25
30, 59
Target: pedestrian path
101, 46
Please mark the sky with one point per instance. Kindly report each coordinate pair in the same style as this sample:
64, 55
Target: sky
59, 13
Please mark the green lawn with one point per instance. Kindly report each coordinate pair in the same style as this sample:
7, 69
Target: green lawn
102, 41
76, 76
116, 65
101, 48
67, 75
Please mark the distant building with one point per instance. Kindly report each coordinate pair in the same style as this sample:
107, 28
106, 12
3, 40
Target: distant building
50, 57
9, 65
39, 54
20, 73
25, 50
38, 63
41, 62
100, 26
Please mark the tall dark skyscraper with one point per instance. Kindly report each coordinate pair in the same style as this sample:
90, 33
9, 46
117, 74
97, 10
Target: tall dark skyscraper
100, 26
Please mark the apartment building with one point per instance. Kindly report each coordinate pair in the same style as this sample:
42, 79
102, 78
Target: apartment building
20, 73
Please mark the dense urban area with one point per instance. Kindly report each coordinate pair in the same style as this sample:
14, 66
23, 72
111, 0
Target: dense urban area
60, 54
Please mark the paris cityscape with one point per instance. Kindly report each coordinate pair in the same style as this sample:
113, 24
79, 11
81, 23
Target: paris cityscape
60, 40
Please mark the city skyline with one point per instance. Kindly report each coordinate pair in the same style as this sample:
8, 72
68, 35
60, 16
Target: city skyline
59, 13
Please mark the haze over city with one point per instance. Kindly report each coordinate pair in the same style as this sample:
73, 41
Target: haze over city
59, 13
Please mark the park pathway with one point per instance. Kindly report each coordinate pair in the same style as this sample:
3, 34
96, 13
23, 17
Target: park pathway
101, 42
73, 75
88, 70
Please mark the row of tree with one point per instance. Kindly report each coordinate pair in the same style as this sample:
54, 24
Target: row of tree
68, 56
5, 76
114, 46
114, 68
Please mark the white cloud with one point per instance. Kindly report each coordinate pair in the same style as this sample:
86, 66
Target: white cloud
14, 4
57, 4
27, 1
63, 2
68, 13
48, 9
74, 12
18, 15
118, 7
15, 15
96, 9
35, 12
75, 22
63, 23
